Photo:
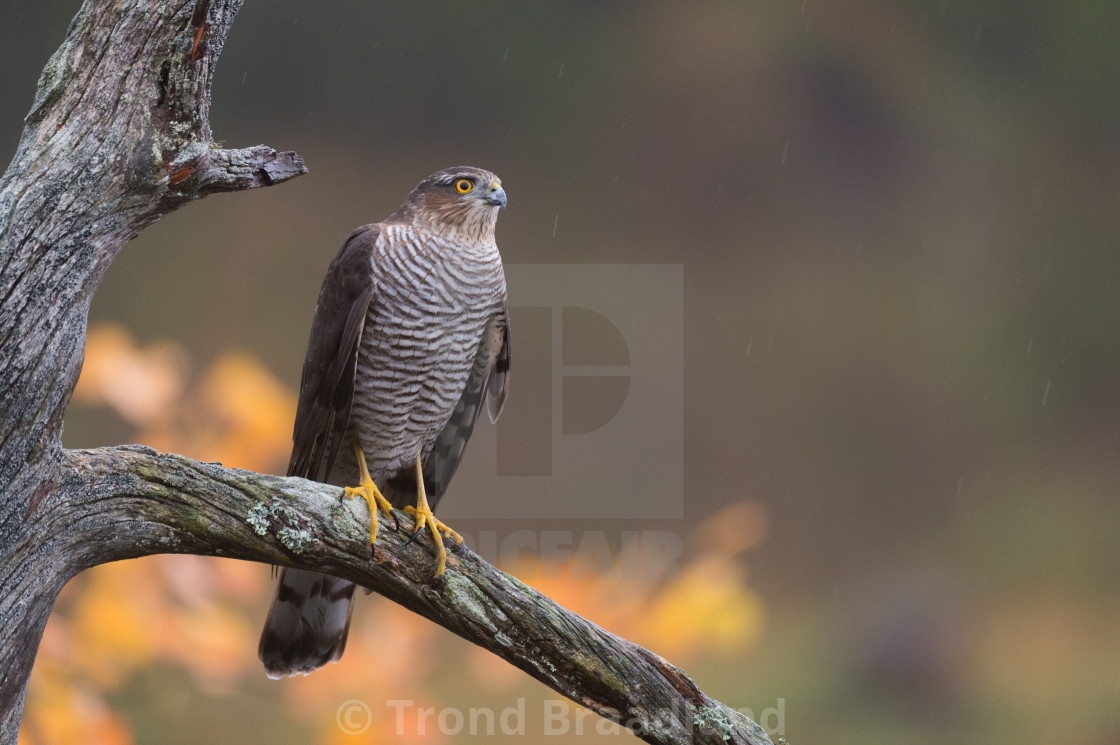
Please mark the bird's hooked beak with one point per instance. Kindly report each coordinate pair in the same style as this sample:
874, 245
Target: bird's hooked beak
496, 195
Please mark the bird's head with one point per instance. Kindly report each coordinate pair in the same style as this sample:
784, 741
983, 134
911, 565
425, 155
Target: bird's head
462, 200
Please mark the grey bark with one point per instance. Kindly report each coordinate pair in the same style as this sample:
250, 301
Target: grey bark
119, 135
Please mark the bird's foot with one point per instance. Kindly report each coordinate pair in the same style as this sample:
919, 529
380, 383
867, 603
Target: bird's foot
426, 519
368, 491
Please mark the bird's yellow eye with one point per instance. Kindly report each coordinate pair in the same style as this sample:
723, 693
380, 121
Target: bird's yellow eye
464, 185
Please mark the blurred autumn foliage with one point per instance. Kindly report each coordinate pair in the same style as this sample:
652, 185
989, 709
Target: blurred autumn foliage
117, 623
898, 228
236, 412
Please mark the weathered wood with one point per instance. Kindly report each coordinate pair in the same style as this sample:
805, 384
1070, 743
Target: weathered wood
119, 135
120, 503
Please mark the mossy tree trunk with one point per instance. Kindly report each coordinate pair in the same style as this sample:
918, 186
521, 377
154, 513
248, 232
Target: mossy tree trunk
119, 135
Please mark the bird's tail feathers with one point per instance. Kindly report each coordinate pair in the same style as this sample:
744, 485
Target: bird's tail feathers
307, 624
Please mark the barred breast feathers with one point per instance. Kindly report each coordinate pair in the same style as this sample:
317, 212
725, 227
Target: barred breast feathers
435, 301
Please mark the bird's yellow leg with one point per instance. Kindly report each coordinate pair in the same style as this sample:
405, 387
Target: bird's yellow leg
424, 518
368, 491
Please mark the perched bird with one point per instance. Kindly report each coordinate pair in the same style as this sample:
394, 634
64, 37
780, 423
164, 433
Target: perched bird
411, 332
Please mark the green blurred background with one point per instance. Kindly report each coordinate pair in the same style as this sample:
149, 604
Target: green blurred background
899, 224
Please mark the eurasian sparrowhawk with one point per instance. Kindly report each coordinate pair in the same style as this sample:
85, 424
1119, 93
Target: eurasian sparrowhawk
411, 332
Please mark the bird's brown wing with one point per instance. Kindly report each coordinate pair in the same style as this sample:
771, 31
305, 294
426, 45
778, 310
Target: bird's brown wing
497, 388
326, 390
310, 614
490, 379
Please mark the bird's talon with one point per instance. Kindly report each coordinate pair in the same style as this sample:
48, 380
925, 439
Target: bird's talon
449, 533
425, 519
368, 491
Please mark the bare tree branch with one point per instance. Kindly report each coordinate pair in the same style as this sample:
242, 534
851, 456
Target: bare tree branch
120, 503
119, 135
